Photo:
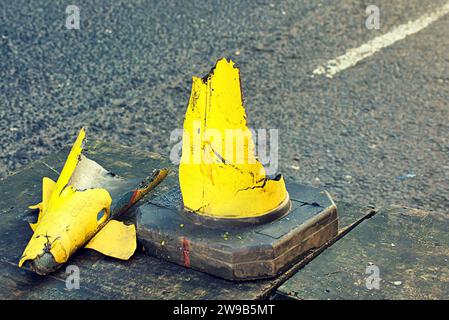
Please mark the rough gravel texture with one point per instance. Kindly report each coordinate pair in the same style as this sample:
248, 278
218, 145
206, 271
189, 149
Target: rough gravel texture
377, 133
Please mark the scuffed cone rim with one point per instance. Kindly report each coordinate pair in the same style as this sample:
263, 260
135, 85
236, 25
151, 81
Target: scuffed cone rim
44, 264
218, 222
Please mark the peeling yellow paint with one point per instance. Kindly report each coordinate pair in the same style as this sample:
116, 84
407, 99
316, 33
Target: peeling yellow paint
219, 175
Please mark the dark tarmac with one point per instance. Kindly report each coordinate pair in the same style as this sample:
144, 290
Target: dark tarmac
376, 133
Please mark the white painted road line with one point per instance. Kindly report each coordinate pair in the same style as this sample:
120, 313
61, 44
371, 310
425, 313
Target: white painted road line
353, 56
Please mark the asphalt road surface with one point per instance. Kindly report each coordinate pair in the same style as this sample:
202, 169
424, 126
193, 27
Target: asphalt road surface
377, 132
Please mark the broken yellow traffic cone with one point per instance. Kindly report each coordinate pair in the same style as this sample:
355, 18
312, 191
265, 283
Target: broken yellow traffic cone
219, 175
79, 210
229, 218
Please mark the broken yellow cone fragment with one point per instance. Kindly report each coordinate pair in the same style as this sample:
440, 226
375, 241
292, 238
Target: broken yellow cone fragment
219, 174
115, 240
48, 186
80, 208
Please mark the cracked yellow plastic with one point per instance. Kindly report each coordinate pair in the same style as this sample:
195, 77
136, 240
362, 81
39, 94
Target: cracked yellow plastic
218, 177
68, 218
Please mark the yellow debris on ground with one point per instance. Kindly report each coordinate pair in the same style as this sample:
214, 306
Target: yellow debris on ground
75, 212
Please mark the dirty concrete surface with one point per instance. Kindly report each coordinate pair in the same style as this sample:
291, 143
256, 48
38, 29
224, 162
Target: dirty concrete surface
376, 133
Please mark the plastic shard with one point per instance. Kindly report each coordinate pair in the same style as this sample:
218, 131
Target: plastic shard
116, 240
48, 186
85, 199
219, 174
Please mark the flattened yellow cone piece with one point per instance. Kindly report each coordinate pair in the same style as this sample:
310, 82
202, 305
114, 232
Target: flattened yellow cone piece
76, 210
68, 224
115, 240
67, 217
219, 175
48, 186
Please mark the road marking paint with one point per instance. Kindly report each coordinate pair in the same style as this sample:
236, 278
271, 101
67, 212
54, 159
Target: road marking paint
354, 55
